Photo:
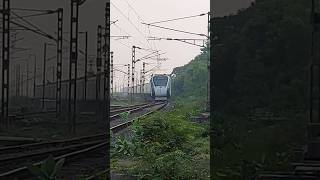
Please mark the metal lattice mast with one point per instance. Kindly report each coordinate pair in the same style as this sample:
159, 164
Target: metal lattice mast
106, 60
73, 64
208, 62
133, 69
34, 76
211, 95
59, 62
23, 93
104, 63
143, 75
86, 67
107, 81
5, 61
27, 81
137, 82
111, 72
314, 68
17, 80
44, 73
99, 62
128, 78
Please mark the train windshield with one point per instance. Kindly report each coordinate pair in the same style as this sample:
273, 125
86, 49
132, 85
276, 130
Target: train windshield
160, 80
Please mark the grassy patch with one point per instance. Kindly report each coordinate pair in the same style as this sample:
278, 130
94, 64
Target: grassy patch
166, 145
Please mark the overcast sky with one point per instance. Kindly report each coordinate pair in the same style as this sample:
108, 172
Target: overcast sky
129, 15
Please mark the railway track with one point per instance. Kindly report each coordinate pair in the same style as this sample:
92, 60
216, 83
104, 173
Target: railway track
52, 112
15, 158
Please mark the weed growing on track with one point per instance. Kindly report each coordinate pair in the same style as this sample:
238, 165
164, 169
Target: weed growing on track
48, 170
124, 116
166, 145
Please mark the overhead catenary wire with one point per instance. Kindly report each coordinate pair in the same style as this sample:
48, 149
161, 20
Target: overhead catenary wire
31, 24
184, 40
35, 31
171, 29
128, 34
130, 6
149, 57
139, 17
33, 10
127, 46
175, 19
35, 15
137, 29
182, 18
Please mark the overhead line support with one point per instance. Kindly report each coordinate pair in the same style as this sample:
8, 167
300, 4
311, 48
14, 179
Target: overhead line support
99, 62
5, 62
44, 73
111, 72
106, 107
86, 67
59, 62
143, 75
133, 63
72, 97
128, 79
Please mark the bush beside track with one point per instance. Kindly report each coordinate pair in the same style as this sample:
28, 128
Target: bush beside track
165, 145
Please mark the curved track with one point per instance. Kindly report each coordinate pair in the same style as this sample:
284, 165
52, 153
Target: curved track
15, 158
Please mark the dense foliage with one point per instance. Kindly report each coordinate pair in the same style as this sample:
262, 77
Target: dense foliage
262, 56
190, 82
166, 145
261, 68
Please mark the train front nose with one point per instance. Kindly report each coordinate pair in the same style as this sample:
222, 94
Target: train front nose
161, 91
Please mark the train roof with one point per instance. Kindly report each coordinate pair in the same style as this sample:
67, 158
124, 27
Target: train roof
160, 74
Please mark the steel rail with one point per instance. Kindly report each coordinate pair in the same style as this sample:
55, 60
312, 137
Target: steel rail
23, 172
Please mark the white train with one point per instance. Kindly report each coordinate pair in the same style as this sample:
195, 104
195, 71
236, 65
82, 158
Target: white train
160, 87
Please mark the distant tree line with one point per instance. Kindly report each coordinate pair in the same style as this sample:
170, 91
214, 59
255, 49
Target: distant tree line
261, 58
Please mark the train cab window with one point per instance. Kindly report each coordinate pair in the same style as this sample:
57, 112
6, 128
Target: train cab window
160, 80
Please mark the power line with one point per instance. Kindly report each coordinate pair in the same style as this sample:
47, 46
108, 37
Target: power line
34, 26
171, 29
127, 33
154, 44
131, 23
139, 17
34, 15
33, 10
185, 40
187, 17
35, 31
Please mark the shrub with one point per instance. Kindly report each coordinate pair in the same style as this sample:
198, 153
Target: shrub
48, 170
163, 146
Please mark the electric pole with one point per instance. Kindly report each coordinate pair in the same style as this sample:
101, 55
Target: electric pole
5, 62
72, 101
106, 107
86, 67
111, 72
59, 62
133, 69
143, 75
27, 92
34, 75
99, 62
44, 73
128, 85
